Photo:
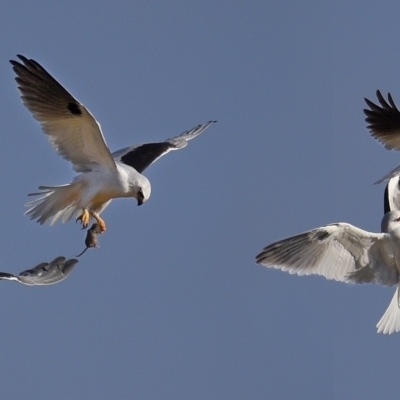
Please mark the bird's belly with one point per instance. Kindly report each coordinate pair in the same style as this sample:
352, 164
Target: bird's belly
100, 188
389, 256
99, 199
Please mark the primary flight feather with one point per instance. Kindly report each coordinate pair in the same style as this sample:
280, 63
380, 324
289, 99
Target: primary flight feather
76, 136
384, 124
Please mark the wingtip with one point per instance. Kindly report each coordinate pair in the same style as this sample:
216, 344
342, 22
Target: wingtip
22, 58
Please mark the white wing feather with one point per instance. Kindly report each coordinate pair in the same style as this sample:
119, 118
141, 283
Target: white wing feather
73, 131
339, 251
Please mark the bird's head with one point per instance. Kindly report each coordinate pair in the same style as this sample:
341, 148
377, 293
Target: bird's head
143, 191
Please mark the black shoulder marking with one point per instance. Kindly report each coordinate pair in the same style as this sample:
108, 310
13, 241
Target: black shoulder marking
320, 235
74, 108
142, 156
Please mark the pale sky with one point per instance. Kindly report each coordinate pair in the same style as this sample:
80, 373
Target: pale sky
172, 305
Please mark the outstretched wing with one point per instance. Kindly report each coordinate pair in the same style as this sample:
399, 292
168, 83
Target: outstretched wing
338, 251
384, 121
72, 129
141, 156
44, 273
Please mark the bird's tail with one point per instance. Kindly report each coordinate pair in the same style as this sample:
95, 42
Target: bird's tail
390, 321
56, 202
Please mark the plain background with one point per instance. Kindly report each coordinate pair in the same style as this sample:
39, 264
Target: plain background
172, 305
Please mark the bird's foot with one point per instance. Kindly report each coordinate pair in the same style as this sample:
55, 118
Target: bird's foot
84, 218
102, 225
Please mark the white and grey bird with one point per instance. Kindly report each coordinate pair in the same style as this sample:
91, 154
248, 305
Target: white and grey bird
76, 136
384, 124
345, 253
44, 273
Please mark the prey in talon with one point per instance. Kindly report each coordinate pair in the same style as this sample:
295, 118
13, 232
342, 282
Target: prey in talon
91, 237
77, 137
85, 218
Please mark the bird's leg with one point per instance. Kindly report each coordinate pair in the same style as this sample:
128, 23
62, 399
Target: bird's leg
102, 224
84, 218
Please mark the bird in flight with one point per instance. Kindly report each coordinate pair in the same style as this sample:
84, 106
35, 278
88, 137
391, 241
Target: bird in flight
384, 124
44, 273
348, 254
76, 136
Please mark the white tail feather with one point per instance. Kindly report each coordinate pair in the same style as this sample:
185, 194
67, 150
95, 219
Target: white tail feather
390, 321
56, 203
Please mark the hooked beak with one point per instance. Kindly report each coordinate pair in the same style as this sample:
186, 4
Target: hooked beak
139, 202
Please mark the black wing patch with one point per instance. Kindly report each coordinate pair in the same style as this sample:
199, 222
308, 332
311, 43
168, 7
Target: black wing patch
142, 156
74, 108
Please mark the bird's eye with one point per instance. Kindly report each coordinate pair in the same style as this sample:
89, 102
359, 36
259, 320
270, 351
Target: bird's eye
397, 219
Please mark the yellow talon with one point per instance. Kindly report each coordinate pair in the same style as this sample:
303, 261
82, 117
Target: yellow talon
84, 218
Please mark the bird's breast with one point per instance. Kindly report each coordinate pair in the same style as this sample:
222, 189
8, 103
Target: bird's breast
99, 199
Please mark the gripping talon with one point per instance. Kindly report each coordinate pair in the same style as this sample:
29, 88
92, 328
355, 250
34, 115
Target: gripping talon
102, 224
84, 218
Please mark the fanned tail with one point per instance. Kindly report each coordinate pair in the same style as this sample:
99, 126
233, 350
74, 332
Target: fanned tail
55, 203
390, 321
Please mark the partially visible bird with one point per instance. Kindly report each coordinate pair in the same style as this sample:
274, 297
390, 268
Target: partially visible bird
391, 198
348, 254
384, 124
44, 273
76, 136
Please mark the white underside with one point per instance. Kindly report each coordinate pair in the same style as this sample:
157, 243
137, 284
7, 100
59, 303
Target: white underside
93, 190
